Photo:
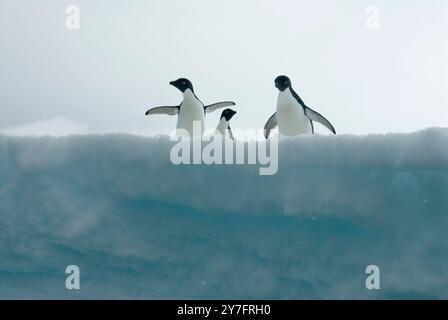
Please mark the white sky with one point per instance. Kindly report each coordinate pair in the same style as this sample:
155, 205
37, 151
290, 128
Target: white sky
106, 75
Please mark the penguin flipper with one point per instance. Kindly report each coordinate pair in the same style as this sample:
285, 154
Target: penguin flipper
316, 116
270, 125
169, 110
230, 132
218, 105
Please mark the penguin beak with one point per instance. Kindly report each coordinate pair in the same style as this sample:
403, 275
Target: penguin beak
174, 84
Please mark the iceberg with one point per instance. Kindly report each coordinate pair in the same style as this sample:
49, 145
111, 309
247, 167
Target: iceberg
140, 227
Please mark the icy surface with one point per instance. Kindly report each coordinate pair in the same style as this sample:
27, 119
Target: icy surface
140, 227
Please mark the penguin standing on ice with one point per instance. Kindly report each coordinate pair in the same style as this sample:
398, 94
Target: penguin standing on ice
224, 125
190, 110
293, 117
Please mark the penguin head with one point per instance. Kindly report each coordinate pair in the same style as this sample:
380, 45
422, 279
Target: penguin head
228, 114
182, 84
282, 83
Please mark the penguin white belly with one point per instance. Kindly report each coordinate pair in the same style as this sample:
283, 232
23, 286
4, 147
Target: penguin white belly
191, 112
222, 127
291, 118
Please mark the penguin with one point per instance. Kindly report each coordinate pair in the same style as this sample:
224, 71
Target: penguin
293, 117
190, 110
224, 125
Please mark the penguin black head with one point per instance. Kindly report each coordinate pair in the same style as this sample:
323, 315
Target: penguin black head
282, 83
182, 84
228, 114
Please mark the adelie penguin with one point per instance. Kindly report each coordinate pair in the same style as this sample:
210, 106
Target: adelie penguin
191, 110
293, 117
224, 123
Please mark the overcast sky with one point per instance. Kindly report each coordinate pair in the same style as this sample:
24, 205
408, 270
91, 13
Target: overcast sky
103, 77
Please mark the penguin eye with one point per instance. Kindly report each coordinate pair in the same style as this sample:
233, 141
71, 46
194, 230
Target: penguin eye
286, 82
184, 83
